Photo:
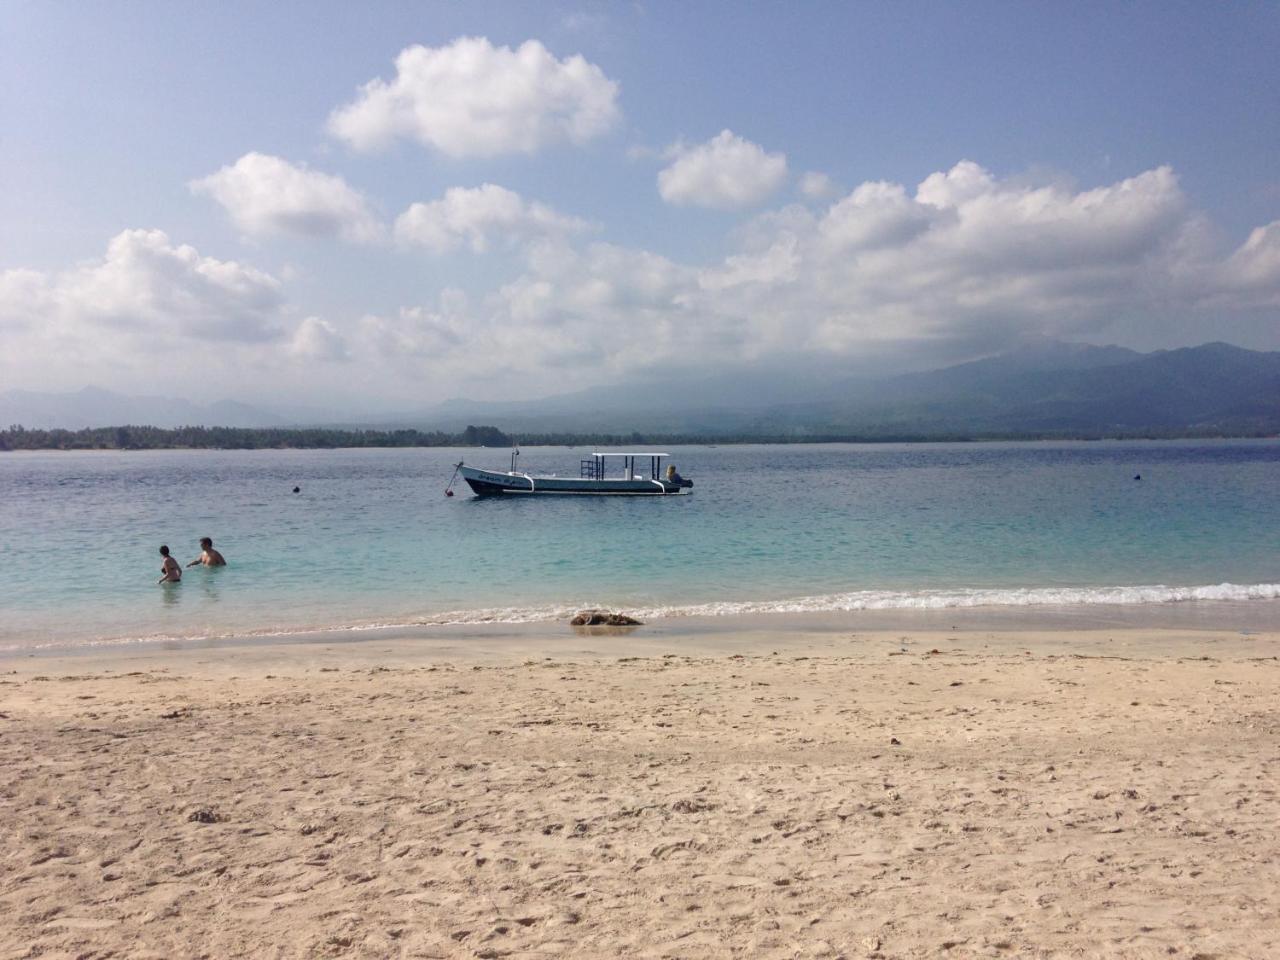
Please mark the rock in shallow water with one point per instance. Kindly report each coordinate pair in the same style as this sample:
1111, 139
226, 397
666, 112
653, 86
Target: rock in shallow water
603, 618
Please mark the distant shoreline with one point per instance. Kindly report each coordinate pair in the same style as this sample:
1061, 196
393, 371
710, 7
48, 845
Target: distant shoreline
137, 438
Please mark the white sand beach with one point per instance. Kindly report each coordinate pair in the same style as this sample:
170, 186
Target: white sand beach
888, 794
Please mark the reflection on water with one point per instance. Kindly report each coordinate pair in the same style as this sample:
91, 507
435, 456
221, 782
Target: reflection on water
207, 578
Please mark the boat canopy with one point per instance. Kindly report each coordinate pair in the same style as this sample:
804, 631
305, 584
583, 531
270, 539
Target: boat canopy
629, 454
594, 469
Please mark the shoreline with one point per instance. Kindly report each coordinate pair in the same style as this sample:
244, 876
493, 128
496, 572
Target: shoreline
727, 632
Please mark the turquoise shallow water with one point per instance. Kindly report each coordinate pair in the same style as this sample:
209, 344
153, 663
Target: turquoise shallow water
372, 540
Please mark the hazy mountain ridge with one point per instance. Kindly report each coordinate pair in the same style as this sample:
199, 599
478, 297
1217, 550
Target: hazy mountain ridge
96, 407
1043, 388
1214, 386
1048, 387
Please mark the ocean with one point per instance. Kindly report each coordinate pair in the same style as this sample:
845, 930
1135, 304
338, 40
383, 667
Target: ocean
371, 540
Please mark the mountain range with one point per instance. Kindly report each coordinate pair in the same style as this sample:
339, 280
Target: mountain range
95, 407
1045, 388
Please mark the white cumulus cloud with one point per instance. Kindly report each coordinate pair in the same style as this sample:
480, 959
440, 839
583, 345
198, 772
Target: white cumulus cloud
1255, 266
148, 286
265, 194
876, 214
472, 99
1052, 227
725, 173
477, 217
950, 188
316, 339
969, 255
778, 264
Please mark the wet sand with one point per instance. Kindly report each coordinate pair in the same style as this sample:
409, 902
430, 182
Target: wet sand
769, 791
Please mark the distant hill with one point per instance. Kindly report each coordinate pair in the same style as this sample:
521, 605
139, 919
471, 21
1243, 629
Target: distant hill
1046, 388
95, 407
1096, 390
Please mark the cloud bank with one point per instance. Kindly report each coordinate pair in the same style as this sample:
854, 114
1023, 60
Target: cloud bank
472, 99
963, 259
962, 262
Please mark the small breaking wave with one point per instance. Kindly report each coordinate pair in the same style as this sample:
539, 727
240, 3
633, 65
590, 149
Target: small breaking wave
858, 600
892, 600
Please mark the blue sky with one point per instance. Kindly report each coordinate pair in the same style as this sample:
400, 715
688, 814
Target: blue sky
640, 188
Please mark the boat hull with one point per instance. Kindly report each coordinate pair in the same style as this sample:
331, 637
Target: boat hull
491, 483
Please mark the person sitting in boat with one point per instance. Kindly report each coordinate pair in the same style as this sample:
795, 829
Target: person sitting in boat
673, 476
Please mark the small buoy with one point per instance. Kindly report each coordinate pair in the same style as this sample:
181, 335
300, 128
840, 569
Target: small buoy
448, 490
297, 489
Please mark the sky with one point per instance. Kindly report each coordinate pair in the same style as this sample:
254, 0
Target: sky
375, 207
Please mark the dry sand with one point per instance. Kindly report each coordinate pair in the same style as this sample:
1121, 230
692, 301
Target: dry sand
1012, 795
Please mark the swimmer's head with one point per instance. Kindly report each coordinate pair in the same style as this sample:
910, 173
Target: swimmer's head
206, 542
164, 551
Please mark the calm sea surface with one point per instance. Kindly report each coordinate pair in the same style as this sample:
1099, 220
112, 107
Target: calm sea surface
371, 539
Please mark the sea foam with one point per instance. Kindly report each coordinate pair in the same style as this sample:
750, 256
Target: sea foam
892, 600
822, 603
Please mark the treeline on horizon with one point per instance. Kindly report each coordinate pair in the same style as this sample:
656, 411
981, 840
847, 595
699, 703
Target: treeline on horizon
323, 438
131, 437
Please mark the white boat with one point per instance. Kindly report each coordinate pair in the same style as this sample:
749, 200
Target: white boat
638, 475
